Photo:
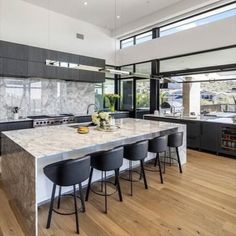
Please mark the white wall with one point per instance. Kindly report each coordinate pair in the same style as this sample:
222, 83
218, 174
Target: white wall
218, 34
24, 23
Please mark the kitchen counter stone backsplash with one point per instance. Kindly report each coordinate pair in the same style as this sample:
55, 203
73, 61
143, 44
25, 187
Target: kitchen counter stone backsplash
37, 96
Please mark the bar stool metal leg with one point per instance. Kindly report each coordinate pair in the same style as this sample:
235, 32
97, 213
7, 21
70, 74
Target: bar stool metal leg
180, 167
105, 182
89, 184
51, 207
159, 164
81, 197
164, 163
76, 210
118, 184
59, 198
131, 177
143, 173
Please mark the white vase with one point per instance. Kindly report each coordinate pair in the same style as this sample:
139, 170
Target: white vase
16, 116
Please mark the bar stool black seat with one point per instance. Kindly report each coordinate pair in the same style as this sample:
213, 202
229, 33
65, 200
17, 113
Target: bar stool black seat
158, 145
136, 152
64, 174
105, 161
175, 141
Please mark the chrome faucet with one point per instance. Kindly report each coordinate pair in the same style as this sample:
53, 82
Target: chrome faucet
95, 107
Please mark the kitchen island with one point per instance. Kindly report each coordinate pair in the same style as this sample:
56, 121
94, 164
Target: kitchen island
26, 152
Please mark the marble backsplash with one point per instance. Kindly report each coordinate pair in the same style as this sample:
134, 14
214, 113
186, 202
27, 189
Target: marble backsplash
36, 96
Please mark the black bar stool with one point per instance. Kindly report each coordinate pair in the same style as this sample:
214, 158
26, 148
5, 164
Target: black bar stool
158, 145
136, 152
105, 161
67, 173
175, 141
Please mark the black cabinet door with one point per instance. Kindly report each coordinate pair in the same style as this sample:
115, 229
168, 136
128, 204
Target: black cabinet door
91, 76
193, 134
13, 50
13, 67
209, 136
37, 54
90, 61
36, 69
1, 66
52, 55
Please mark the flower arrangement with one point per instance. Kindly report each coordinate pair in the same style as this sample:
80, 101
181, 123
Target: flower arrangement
101, 119
112, 97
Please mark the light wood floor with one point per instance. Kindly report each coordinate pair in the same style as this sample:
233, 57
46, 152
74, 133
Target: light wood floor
201, 201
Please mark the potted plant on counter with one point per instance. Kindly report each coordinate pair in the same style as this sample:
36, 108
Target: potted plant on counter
112, 98
15, 111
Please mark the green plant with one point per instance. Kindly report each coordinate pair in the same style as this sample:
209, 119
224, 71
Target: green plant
112, 97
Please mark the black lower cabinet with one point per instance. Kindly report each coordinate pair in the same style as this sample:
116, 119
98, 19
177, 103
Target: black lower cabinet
193, 134
209, 139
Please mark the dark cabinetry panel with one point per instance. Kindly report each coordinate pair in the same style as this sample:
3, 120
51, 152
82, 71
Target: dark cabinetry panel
91, 76
209, 136
27, 61
14, 67
193, 134
36, 69
90, 61
13, 50
37, 54
1, 66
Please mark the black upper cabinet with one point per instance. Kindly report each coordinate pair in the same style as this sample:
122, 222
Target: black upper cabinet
16, 68
26, 61
90, 61
36, 69
37, 54
91, 76
1, 66
13, 50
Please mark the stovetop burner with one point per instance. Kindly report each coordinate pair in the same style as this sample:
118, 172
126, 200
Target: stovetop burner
45, 120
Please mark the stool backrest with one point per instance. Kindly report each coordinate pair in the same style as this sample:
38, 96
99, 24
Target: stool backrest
68, 172
108, 160
158, 144
136, 151
176, 139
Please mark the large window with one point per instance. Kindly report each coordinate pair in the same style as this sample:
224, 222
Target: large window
214, 58
143, 94
201, 19
127, 42
210, 16
126, 92
137, 39
104, 88
141, 38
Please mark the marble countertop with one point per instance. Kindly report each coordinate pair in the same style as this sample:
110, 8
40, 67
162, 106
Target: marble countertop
52, 140
201, 119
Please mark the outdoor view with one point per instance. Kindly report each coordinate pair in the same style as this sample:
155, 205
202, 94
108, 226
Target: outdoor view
215, 95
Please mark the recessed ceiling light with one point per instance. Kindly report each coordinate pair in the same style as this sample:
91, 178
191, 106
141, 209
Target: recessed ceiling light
85, 3
118, 17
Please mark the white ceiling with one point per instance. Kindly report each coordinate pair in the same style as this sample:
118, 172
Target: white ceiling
102, 12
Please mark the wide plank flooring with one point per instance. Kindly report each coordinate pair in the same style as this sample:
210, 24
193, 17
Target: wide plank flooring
201, 201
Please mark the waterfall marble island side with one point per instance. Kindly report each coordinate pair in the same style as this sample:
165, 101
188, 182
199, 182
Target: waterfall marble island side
26, 152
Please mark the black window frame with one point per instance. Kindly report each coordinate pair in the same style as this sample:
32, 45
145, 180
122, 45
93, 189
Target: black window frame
156, 30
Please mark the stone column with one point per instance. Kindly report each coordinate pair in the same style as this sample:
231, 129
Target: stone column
191, 97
